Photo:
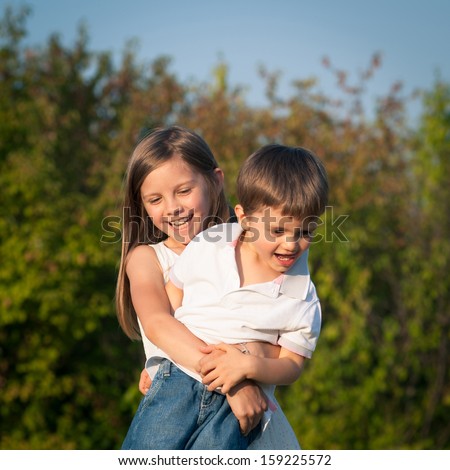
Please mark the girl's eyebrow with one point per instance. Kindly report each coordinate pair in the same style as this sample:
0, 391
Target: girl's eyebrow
147, 195
188, 182
184, 183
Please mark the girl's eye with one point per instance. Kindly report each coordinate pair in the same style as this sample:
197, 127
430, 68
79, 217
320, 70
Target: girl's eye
155, 200
184, 191
277, 232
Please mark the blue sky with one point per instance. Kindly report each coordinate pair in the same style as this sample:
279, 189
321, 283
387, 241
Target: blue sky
291, 36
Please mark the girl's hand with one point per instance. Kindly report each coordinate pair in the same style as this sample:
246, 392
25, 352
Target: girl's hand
145, 382
223, 370
248, 403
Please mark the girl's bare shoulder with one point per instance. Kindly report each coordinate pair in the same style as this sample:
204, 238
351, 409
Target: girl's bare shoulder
142, 260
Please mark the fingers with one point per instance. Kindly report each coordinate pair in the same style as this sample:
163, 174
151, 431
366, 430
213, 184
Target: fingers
223, 347
213, 384
215, 381
145, 382
249, 422
248, 403
205, 368
144, 388
209, 361
209, 348
245, 426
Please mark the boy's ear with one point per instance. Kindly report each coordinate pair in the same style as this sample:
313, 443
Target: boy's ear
239, 210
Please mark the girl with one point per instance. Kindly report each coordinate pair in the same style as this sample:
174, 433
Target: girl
174, 190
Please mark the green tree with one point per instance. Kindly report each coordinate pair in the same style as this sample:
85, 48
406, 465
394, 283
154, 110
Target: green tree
426, 293
379, 379
69, 119
57, 281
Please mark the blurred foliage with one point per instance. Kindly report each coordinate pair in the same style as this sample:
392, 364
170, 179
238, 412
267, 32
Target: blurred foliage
69, 118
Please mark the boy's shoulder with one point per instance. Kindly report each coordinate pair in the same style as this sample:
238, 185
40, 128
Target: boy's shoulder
219, 235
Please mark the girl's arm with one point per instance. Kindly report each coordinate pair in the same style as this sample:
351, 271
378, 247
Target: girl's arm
175, 295
152, 306
229, 369
269, 364
153, 309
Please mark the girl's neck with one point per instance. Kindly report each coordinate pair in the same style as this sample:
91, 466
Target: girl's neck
174, 245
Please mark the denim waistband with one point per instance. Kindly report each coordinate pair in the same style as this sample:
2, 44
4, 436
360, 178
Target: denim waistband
165, 367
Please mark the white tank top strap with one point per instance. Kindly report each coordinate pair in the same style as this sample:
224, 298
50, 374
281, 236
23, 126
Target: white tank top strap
166, 258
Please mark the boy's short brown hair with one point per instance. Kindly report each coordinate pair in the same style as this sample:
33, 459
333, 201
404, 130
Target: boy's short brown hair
292, 179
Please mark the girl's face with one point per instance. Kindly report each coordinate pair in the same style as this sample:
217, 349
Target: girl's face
177, 199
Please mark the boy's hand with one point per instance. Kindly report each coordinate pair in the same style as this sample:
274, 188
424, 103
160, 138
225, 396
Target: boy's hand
223, 371
248, 403
145, 382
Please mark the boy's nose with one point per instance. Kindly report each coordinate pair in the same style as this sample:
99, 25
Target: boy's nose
291, 244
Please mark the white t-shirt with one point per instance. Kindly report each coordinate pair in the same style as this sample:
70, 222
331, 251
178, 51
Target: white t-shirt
278, 433
285, 311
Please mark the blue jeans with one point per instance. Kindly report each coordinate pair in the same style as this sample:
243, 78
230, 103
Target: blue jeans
178, 412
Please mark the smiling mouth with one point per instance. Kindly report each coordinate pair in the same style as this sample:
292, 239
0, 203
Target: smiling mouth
181, 221
285, 257
286, 260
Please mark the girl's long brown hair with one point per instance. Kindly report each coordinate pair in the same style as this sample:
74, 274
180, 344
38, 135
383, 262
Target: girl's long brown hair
153, 150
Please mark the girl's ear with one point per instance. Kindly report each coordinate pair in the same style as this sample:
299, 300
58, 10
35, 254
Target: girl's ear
219, 177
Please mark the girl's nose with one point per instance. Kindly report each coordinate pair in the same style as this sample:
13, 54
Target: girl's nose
173, 206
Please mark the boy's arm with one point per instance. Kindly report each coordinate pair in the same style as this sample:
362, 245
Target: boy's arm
282, 371
227, 370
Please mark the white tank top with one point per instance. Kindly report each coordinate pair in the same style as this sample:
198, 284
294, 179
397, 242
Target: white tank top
166, 258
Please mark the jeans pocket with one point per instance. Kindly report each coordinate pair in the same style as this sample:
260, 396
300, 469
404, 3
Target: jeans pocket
157, 382
254, 433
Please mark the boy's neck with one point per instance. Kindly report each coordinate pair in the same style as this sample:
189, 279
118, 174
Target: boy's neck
251, 270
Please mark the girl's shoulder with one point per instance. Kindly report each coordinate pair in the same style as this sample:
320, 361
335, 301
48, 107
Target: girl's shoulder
142, 260
139, 251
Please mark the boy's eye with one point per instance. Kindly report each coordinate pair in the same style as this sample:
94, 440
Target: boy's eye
296, 236
307, 235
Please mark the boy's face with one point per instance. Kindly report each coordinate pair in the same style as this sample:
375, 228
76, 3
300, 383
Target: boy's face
277, 240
